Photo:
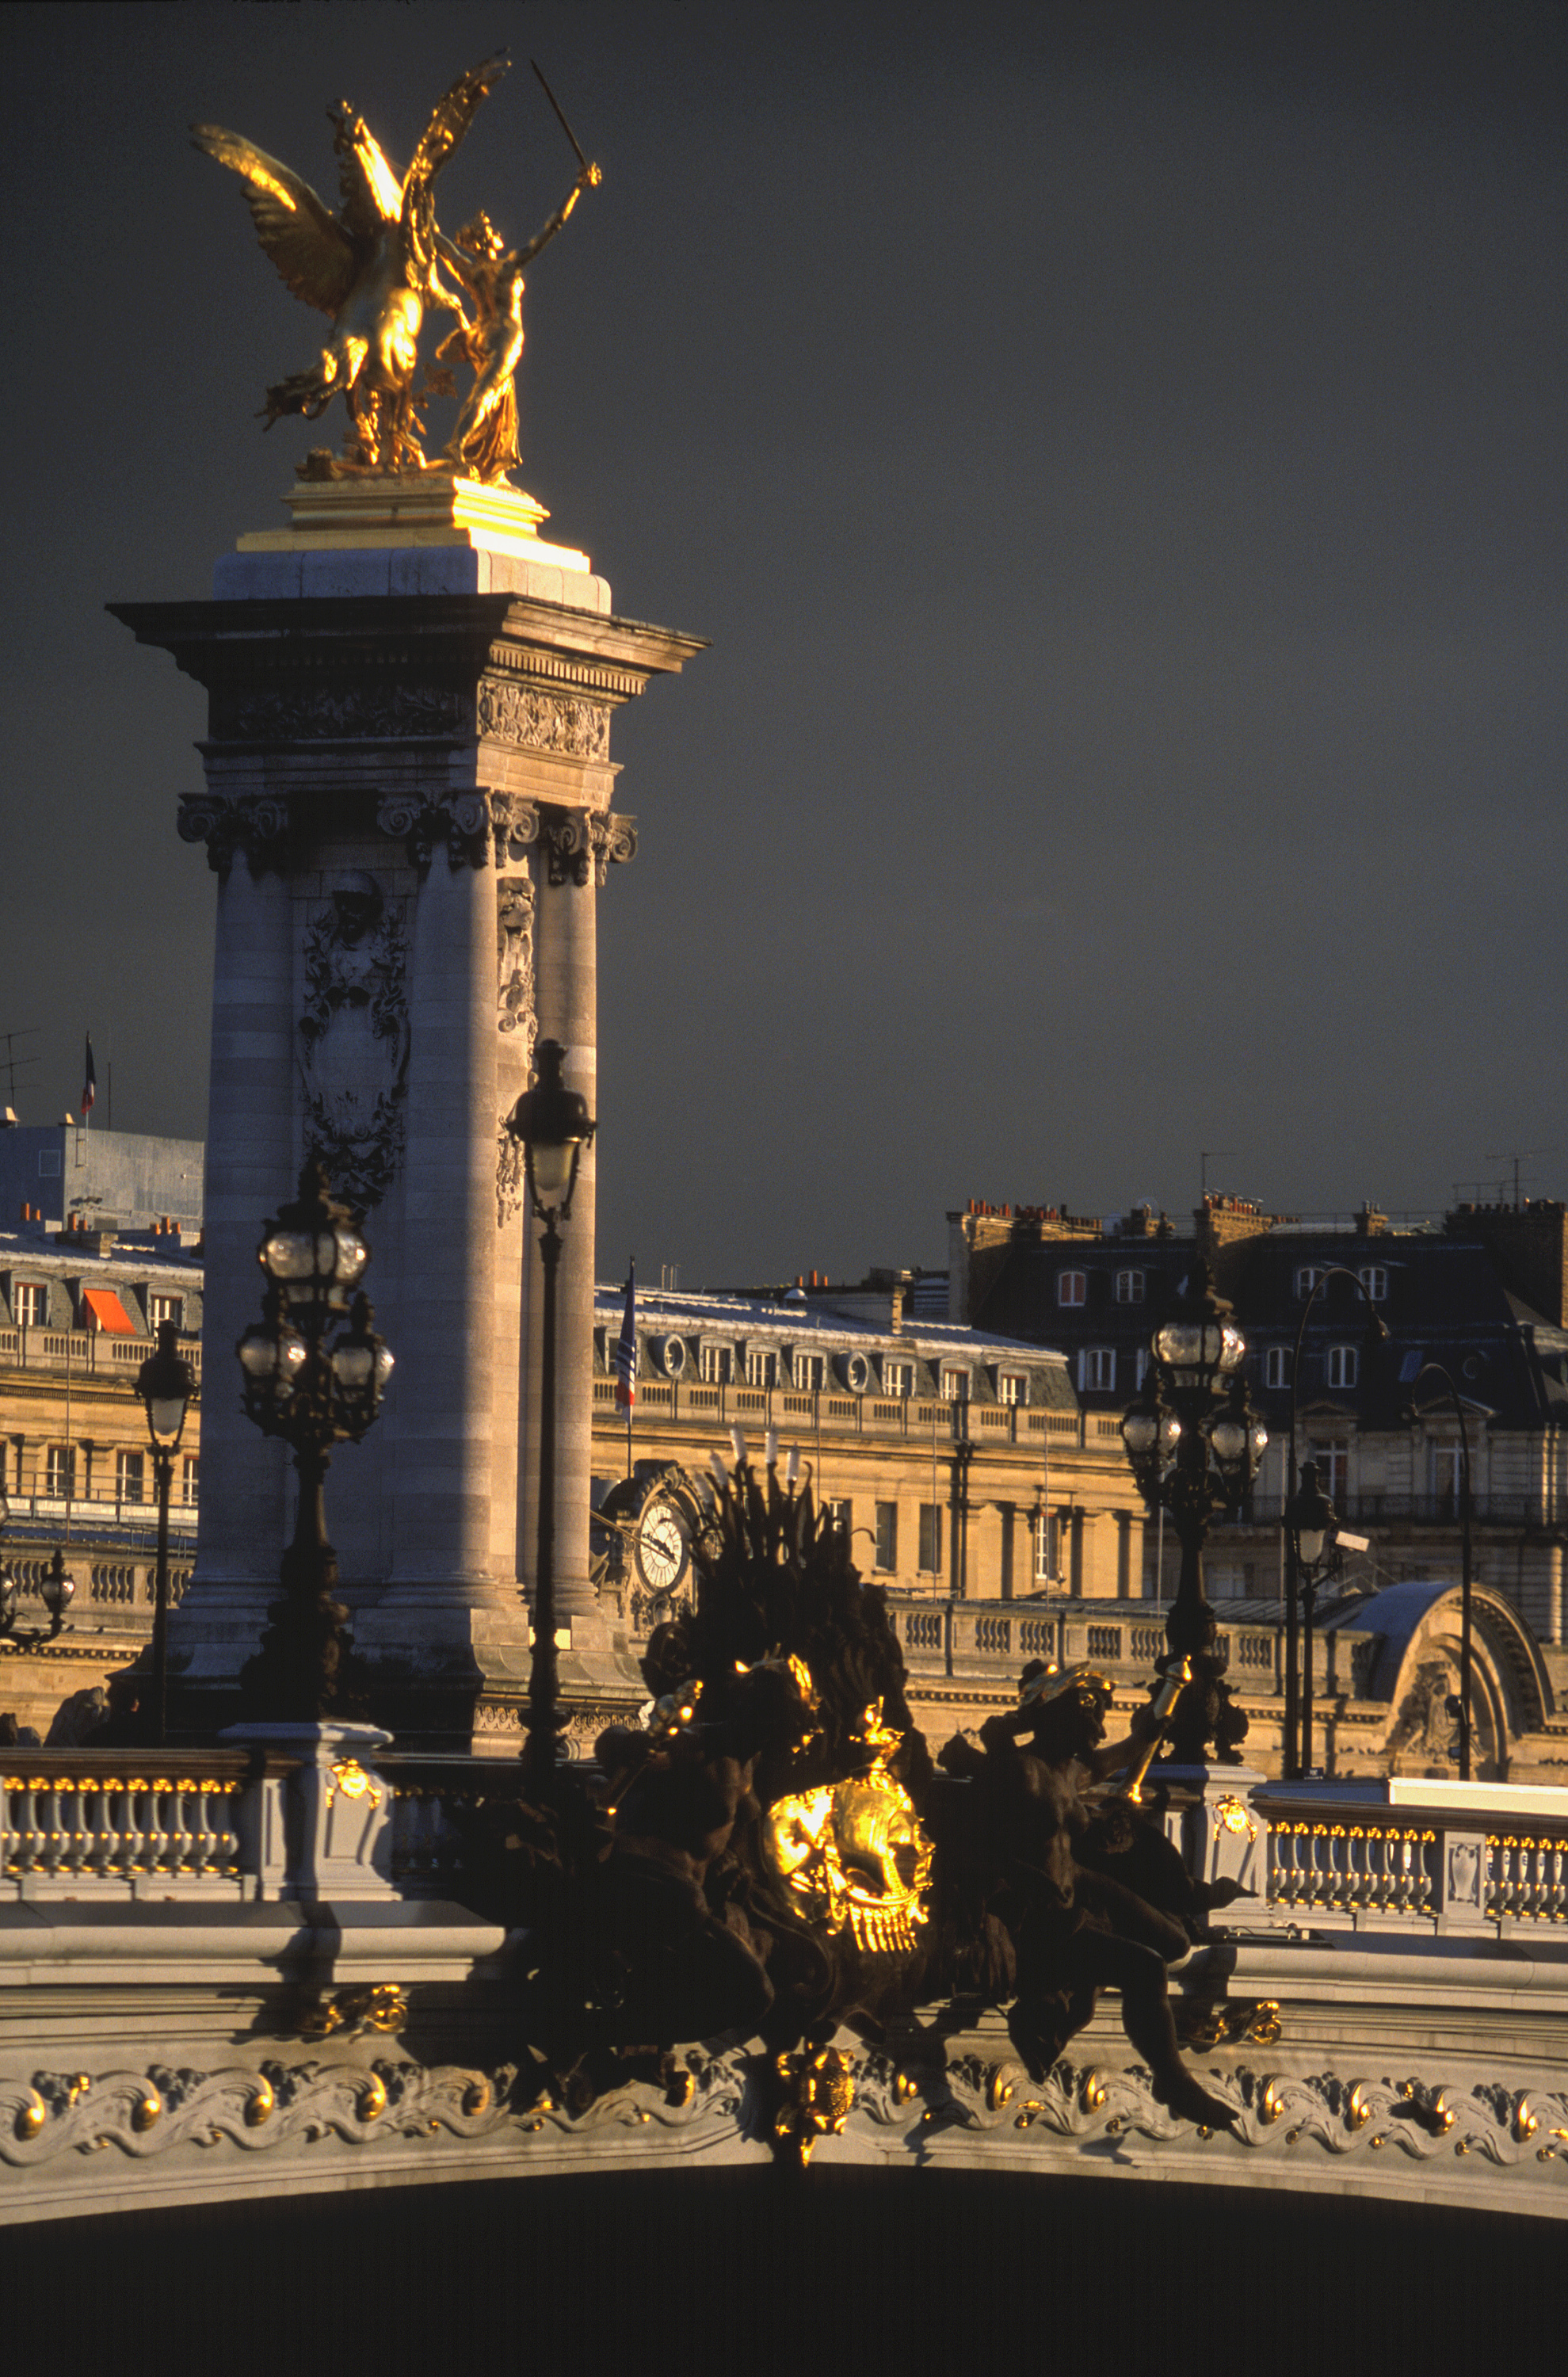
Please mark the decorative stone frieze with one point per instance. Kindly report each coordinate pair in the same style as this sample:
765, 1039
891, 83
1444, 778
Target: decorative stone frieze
353, 713
533, 720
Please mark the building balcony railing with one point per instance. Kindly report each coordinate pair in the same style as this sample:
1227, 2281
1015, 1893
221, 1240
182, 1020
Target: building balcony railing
799, 1410
1442, 1509
86, 1511
84, 1352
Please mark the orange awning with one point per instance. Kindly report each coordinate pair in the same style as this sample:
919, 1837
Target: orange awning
109, 1312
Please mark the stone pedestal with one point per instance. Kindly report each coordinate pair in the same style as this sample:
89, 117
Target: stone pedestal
407, 804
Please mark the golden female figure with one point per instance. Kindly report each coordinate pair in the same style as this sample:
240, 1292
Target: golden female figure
484, 443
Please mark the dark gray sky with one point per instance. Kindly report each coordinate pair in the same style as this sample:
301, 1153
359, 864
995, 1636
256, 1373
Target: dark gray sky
1116, 451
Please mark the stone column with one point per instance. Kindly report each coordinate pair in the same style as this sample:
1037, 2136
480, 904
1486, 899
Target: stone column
251, 1162
574, 852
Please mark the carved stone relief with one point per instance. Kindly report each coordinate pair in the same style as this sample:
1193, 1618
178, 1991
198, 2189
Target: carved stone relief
536, 720
344, 713
581, 847
514, 1015
354, 1036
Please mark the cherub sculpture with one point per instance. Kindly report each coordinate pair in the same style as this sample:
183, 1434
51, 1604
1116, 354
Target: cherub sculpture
373, 267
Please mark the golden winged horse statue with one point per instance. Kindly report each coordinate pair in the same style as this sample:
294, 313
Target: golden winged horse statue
373, 267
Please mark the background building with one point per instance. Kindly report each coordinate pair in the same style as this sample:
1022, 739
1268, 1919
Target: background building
119, 1179
79, 1314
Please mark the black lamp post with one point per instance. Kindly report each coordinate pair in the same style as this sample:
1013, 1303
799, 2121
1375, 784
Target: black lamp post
167, 1387
314, 1394
1460, 1707
553, 1125
1310, 1527
1292, 1762
1194, 1443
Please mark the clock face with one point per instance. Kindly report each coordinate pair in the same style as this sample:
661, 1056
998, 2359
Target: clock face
661, 1547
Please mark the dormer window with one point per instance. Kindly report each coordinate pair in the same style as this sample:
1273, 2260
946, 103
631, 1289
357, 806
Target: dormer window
1374, 1279
1130, 1288
1013, 1387
1310, 1276
715, 1365
955, 1386
1073, 1287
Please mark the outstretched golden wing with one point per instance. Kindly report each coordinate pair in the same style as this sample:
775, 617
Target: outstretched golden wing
310, 248
452, 115
451, 118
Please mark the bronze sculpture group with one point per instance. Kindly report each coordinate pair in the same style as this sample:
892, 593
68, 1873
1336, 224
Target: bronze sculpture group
376, 264
771, 1853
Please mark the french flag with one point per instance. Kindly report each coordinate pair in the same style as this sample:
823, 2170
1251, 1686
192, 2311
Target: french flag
90, 1080
625, 1347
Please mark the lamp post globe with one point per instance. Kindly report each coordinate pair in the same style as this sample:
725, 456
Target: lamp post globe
1194, 1442
553, 1125
166, 1385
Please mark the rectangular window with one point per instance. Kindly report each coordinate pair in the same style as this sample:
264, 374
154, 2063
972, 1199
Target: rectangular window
1276, 1367
1446, 1472
60, 1472
1011, 1388
930, 1539
1072, 1287
1130, 1288
30, 1302
1310, 1276
715, 1365
1140, 1366
887, 1534
190, 1481
841, 1516
49, 1163
1042, 1532
164, 1308
761, 1366
130, 1477
1374, 1279
955, 1386
1333, 1468
898, 1377
1344, 1365
807, 1373
1097, 1370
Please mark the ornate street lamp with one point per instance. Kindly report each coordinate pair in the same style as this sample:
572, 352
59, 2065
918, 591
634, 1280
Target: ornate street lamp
1194, 1443
553, 1125
58, 1592
314, 1394
167, 1387
1459, 1705
1291, 1762
1311, 1526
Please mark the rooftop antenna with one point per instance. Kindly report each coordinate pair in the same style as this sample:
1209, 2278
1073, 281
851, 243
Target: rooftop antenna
11, 1060
1518, 1156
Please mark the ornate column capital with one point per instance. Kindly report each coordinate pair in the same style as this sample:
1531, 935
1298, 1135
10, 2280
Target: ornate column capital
580, 845
475, 827
257, 823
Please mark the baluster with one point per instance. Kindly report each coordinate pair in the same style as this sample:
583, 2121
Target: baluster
1554, 1884
1508, 1861
1427, 1868
73, 1814
128, 1825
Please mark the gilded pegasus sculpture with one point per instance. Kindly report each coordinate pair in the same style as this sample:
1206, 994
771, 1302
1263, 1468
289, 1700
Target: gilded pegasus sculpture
373, 267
